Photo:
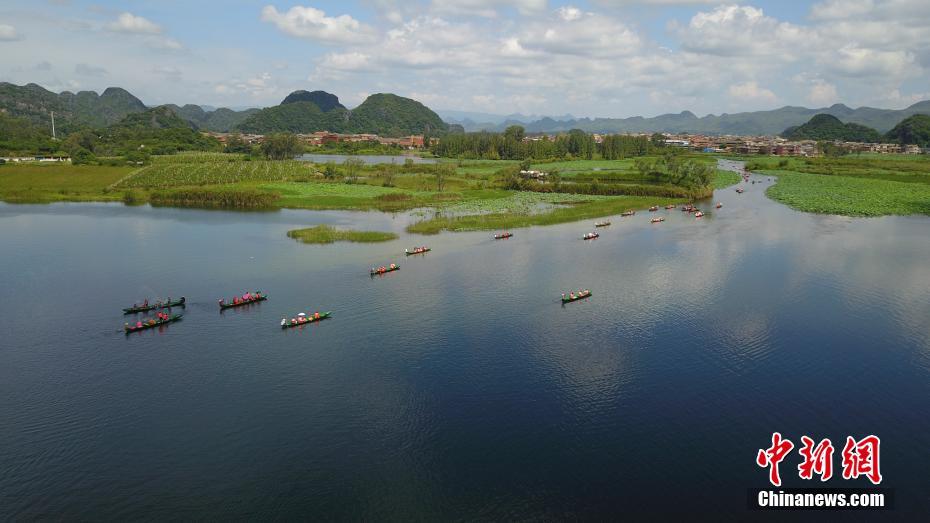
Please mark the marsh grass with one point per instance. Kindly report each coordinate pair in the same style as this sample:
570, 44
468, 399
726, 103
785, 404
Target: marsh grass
322, 234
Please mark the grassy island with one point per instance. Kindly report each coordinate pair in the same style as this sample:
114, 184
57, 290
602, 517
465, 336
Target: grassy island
327, 234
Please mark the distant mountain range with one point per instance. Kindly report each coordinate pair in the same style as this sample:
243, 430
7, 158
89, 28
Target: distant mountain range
749, 123
300, 112
392, 115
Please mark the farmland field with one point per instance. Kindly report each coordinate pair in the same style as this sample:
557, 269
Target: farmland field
61, 182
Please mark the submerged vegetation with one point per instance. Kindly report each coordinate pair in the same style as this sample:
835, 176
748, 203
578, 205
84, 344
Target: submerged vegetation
327, 234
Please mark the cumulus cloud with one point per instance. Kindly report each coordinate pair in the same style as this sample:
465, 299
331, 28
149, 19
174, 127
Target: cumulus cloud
733, 30
752, 91
311, 23
130, 23
8, 33
822, 93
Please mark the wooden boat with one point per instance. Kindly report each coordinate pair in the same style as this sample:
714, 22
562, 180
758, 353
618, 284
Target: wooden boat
719, 205
591, 236
229, 304
384, 270
654, 208
670, 206
157, 305
423, 250
151, 322
503, 236
602, 224
699, 214
740, 190
567, 298
688, 208
628, 213
309, 319
658, 220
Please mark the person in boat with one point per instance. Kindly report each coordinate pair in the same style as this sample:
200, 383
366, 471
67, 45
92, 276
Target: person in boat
139, 324
406, 251
283, 321
316, 315
571, 295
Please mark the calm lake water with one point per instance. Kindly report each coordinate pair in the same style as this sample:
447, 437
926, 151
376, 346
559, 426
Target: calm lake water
457, 387
369, 159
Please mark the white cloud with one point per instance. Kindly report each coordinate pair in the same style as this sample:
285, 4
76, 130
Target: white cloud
130, 23
8, 33
165, 44
822, 93
352, 61
569, 13
311, 23
487, 8
752, 91
732, 30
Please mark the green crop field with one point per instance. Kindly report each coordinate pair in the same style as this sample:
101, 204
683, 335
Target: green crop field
58, 182
160, 175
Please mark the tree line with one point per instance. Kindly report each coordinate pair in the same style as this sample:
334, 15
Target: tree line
511, 145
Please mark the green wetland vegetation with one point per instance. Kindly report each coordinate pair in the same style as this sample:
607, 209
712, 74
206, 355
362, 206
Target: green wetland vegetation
451, 195
865, 185
326, 234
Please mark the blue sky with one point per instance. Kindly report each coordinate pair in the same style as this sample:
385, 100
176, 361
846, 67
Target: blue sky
589, 58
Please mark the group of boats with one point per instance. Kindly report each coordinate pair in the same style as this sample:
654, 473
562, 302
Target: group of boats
164, 316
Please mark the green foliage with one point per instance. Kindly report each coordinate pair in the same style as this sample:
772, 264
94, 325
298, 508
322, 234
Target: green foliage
281, 146
675, 170
912, 131
326, 234
18, 136
229, 198
618, 146
324, 101
829, 128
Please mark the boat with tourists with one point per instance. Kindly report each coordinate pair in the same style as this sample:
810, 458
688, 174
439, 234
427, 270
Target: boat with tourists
602, 224
245, 299
660, 219
628, 213
591, 236
384, 269
740, 190
719, 205
146, 306
160, 319
670, 207
303, 318
503, 236
575, 296
417, 250
699, 214
654, 208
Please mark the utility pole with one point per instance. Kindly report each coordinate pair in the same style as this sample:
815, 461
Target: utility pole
53, 127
